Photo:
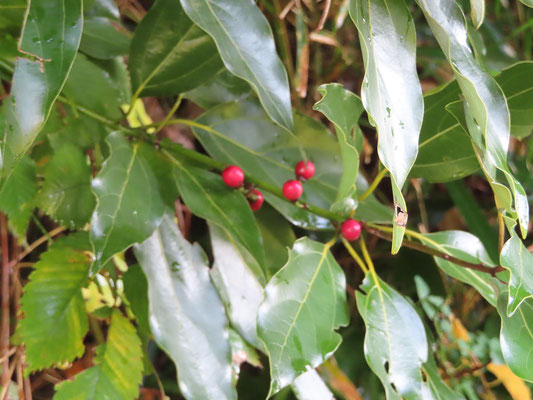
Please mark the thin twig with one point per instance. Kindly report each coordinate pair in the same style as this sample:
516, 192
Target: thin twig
501, 231
324, 16
37, 243
428, 250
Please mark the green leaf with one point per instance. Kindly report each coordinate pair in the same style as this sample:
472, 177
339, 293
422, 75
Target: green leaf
310, 386
66, 192
161, 167
477, 12
101, 8
516, 337
51, 33
101, 39
277, 236
343, 109
240, 133
186, 315
445, 152
306, 296
391, 95
221, 88
396, 345
237, 278
118, 370
528, 3
136, 291
466, 247
129, 206
247, 49
516, 258
517, 85
12, 15
101, 86
207, 196
17, 194
475, 219
55, 322
169, 54
486, 110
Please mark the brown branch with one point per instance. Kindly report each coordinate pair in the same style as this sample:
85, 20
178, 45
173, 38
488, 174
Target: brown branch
324, 16
428, 250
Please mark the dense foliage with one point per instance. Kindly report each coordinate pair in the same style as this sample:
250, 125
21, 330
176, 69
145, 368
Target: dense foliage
222, 199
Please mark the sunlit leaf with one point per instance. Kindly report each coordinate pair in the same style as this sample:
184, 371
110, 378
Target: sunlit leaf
391, 91
117, 373
247, 49
186, 315
305, 302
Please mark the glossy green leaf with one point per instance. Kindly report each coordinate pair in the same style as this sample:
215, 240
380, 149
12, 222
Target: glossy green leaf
129, 205
477, 12
305, 302
277, 236
117, 373
136, 291
516, 337
343, 109
17, 196
486, 110
475, 219
517, 85
161, 167
240, 133
186, 315
36, 84
395, 341
169, 54
516, 258
207, 196
55, 322
247, 49
66, 192
466, 247
101, 8
101, 39
445, 152
310, 386
237, 278
391, 91
221, 88
101, 86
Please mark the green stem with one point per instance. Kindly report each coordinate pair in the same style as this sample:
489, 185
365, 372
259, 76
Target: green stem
170, 113
374, 184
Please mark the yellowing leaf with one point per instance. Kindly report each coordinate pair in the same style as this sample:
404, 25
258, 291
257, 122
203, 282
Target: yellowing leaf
458, 329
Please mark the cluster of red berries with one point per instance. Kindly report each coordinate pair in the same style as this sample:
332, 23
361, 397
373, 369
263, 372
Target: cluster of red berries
233, 176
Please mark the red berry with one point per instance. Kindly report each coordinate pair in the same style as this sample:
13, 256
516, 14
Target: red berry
233, 176
351, 229
292, 190
258, 202
304, 169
